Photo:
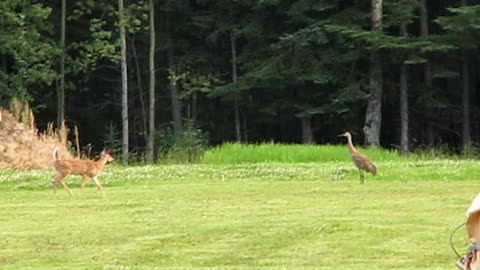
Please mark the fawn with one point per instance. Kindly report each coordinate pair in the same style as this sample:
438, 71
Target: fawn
88, 169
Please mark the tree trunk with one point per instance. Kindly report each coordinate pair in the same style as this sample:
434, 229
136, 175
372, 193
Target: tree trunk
373, 118
404, 142
429, 129
307, 133
245, 129
466, 138
140, 92
427, 70
194, 107
123, 48
176, 105
238, 134
175, 100
474, 112
151, 92
61, 89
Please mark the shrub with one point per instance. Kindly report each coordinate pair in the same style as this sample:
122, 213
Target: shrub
185, 147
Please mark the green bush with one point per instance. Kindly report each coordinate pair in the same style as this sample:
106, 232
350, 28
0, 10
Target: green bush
185, 147
164, 140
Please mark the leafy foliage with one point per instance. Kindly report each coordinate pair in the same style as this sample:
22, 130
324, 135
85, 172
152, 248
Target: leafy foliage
462, 26
24, 43
185, 147
112, 138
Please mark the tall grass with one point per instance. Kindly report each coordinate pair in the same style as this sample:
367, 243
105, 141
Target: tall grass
235, 153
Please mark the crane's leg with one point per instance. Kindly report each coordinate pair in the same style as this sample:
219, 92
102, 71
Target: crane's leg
362, 176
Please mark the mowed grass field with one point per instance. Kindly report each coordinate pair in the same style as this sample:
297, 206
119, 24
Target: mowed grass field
246, 216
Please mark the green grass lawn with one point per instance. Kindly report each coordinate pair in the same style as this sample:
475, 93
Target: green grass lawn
248, 216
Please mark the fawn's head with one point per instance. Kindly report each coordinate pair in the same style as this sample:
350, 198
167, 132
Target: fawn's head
107, 156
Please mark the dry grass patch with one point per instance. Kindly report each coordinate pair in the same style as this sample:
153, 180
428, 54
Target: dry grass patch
23, 147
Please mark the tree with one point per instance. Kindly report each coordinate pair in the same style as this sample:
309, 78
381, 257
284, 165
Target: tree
227, 26
236, 110
294, 72
61, 88
466, 137
427, 71
404, 137
172, 86
123, 48
26, 54
462, 32
400, 14
151, 110
373, 118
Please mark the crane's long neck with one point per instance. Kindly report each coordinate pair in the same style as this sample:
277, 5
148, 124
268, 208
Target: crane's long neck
351, 148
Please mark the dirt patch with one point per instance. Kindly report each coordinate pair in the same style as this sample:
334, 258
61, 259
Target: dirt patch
23, 147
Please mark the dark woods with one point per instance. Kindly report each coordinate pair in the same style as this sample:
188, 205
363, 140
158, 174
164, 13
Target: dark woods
399, 74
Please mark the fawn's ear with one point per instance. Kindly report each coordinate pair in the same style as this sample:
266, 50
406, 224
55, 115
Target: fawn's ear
102, 153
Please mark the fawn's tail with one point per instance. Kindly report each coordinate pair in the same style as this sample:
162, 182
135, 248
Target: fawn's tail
55, 153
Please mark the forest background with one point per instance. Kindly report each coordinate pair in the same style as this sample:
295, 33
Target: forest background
143, 76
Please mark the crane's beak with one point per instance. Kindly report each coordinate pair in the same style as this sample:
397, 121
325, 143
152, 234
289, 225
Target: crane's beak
342, 135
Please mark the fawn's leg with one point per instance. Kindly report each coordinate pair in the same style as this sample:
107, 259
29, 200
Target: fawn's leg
54, 186
99, 186
56, 181
84, 180
62, 181
66, 187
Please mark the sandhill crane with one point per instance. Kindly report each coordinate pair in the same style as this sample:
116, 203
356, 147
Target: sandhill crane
360, 160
